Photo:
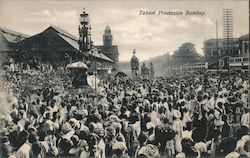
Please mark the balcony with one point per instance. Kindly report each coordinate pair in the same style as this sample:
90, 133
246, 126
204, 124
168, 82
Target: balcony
239, 61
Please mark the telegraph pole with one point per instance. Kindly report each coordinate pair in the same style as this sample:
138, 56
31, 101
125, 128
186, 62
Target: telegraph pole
217, 48
228, 33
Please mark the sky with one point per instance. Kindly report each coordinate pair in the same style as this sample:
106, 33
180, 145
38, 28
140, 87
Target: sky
150, 35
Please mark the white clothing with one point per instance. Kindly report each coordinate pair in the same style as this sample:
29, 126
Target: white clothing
186, 118
201, 147
23, 151
177, 126
245, 120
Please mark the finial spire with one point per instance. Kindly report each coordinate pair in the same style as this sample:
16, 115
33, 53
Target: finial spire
134, 51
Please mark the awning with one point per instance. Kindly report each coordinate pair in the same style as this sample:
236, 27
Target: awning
79, 65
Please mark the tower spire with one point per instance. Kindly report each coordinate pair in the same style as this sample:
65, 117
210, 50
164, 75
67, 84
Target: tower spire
107, 37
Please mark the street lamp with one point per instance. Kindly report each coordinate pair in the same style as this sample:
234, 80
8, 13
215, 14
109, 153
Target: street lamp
84, 31
84, 18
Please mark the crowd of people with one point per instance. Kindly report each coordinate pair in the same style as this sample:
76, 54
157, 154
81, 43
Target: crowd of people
188, 116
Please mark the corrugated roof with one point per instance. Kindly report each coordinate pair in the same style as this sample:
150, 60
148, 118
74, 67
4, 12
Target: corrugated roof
4, 44
108, 50
72, 42
65, 33
12, 36
98, 54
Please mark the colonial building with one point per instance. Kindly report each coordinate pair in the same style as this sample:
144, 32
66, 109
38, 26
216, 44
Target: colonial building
210, 49
237, 52
241, 62
134, 62
186, 54
9, 40
244, 45
183, 58
108, 48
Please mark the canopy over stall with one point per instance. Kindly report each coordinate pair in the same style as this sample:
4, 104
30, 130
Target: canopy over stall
78, 73
77, 65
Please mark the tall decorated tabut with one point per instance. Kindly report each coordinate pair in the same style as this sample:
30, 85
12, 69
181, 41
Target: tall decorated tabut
79, 68
134, 65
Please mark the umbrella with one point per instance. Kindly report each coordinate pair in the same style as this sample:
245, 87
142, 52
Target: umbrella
79, 65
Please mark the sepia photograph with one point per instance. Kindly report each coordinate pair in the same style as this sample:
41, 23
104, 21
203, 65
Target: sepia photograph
124, 79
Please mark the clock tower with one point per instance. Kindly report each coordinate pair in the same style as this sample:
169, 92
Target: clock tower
108, 48
107, 37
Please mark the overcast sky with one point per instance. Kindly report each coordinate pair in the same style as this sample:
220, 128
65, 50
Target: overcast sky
149, 35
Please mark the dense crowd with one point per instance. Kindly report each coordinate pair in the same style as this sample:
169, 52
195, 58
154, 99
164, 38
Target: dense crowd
191, 116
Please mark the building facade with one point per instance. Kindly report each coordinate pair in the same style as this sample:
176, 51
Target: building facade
186, 54
210, 49
244, 45
236, 55
241, 62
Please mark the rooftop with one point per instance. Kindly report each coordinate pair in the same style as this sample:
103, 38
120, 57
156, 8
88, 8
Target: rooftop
12, 36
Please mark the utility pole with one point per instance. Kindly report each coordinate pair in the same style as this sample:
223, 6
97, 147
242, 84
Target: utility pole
171, 67
228, 33
217, 48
